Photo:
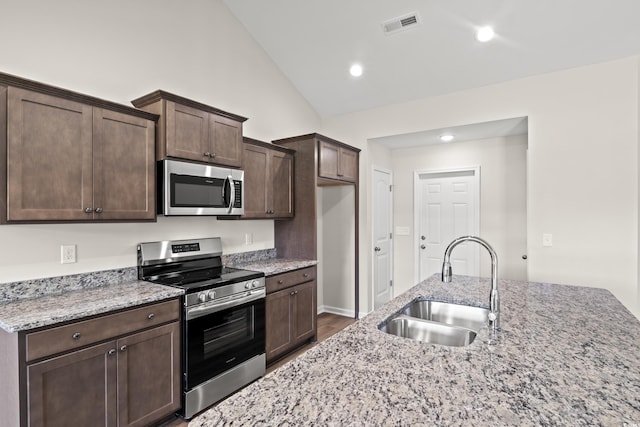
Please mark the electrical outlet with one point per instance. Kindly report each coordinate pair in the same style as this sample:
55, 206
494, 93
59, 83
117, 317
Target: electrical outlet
248, 238
547, 239
67, 254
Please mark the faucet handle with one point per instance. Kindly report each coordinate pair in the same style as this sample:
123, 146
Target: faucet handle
492, 316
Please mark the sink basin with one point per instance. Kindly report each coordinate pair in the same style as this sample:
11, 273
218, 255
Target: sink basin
428, 331
437, 322
452, 314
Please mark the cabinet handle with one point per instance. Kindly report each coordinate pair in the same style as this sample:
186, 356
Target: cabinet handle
111, 352
98, 210
88, 210
123, 348
305, 275
76, 336
280, 282
151, 316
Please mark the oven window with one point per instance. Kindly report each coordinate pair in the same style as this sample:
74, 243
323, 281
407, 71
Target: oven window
195, 191
219, 341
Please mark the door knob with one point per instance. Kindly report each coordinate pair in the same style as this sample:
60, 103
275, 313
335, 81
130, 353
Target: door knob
377, 249
423, 237
423, 247
524, 256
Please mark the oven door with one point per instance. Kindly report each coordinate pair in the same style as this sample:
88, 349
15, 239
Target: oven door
216, 342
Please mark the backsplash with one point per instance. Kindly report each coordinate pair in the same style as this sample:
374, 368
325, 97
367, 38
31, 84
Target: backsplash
34, 288
52, 285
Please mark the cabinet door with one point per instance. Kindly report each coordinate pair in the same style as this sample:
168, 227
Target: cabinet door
304, 311
278, 323
256, 181
149, 375
187, 132
50, 166
124, 178
348, 165
328, 160
282, 187
75, 389
225, 137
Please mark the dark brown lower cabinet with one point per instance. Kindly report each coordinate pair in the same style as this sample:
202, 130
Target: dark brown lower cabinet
290, 316
120, 369
125, 382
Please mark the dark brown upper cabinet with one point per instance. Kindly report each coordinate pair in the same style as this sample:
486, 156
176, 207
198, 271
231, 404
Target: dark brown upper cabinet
337, 162
193, 131
268, 177
71, 157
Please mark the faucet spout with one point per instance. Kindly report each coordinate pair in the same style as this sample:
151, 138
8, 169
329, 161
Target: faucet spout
494, 296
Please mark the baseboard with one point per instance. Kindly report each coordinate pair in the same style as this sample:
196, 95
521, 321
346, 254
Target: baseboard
339, 311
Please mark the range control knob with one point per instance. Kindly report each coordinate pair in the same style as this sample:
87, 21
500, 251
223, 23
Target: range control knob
247, 285
255, 283
212, 294
202, 297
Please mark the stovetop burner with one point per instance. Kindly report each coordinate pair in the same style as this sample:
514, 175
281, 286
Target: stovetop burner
193, 265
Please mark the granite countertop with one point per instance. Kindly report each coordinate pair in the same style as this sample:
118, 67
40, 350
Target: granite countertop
566, 355
48, 309
273, 266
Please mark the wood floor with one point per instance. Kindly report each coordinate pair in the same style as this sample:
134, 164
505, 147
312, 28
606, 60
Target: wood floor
328, 324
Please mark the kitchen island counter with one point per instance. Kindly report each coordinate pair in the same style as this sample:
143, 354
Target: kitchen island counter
566, 355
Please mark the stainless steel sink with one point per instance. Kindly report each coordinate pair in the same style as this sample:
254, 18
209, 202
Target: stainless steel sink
465, 316
428, 331
437, 322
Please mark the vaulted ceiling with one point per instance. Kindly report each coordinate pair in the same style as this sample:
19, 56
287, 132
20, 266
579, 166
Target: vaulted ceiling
315, 42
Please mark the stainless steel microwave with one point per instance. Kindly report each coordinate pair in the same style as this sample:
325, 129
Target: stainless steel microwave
197, 189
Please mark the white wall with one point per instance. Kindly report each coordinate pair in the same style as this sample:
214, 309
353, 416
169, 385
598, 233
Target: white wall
502, 163
582, 175
120, 50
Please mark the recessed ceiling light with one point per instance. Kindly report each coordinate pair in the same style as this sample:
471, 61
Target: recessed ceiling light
356, 70
446, 137
485, 34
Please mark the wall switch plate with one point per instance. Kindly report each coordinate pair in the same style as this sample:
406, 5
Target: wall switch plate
547, 239
402, 231
67, 254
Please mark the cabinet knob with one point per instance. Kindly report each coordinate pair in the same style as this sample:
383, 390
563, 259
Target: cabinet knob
207, 154
151, 316
292, 293
280, 282
76, 336
98, 210
88, 210
111, 352
305, 275
212, 155
123, 348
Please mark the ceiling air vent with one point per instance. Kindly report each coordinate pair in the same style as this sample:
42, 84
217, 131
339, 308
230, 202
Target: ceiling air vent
400, 23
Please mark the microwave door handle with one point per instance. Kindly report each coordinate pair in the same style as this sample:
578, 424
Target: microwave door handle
232, 188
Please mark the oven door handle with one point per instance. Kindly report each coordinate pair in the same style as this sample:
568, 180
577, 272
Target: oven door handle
215, 306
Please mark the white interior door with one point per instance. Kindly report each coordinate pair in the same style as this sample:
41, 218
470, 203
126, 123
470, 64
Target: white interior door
448, 207
382, 205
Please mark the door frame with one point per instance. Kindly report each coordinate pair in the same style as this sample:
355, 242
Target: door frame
416, 206
372, 236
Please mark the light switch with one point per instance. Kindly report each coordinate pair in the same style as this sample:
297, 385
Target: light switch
402, 231
547, 239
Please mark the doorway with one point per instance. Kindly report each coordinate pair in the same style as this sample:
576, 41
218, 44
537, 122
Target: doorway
382, 235
447, 206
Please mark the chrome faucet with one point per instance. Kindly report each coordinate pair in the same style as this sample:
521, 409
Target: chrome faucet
494, 297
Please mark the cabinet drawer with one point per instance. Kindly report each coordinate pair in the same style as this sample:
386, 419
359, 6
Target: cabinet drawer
79, 334
285, 280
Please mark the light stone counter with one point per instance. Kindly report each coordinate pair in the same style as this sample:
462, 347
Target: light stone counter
67, 304
566, 355
273, 266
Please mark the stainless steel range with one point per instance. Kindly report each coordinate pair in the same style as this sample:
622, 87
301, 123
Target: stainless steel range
223, 329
